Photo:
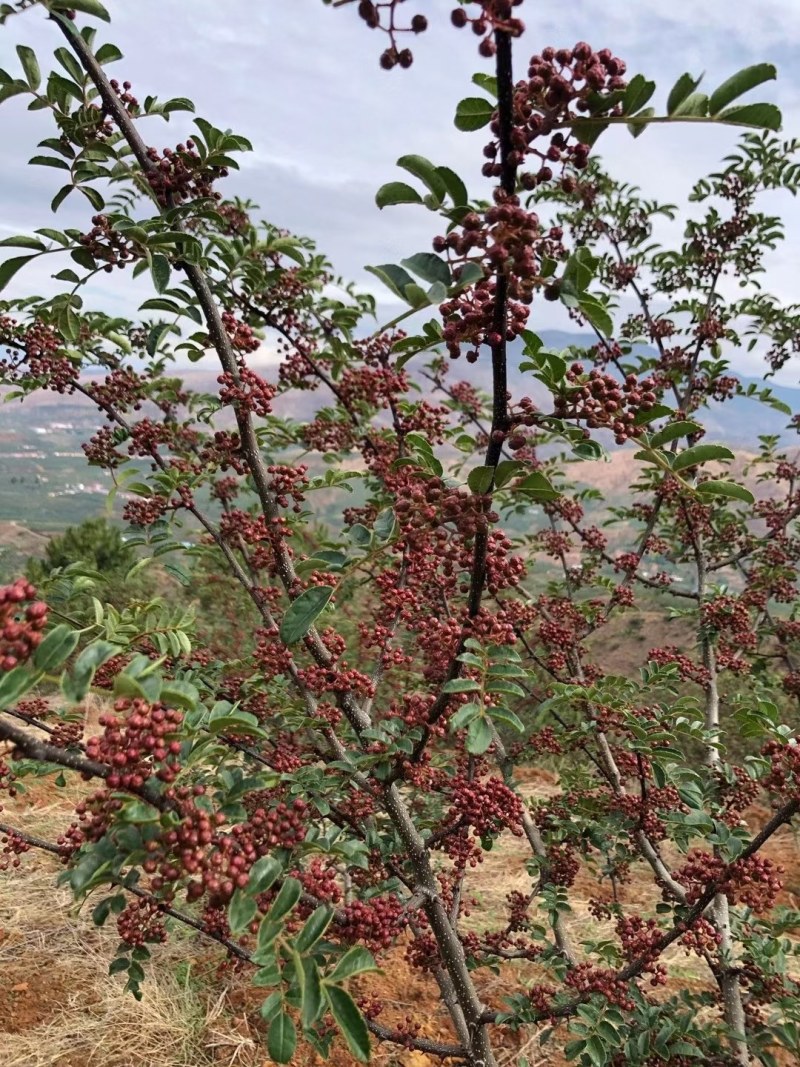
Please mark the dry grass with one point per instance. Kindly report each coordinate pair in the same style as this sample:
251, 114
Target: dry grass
62, 1009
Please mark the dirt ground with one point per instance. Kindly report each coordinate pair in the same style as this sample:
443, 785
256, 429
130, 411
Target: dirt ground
60, 1008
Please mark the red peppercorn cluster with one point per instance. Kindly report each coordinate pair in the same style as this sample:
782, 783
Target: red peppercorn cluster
125, 95
422, 504
562, 864
101, 449
14, 846
22, 620
284, 825
251, 394
375, 923
560, 82
288, 483
141, 922
493, 15
320, 879
671, 655
241, 336
487, 805
602, 401
7, 779
783, 780
701, 938
755, 881
144, 511
136, 738
38, 354
105, 243
587, 978
178, 175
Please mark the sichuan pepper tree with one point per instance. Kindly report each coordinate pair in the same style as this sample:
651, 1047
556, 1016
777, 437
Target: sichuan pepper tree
315, 794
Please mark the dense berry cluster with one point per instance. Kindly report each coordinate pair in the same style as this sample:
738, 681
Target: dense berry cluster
137, 740
108, 245
375, 923
604, 402
141, 922
22, 620
180, 174
249, 394
487, 805
755, 881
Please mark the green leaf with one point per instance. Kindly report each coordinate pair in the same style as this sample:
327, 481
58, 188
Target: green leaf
107, 53
241, 911
587, 131
479, 736
156, 336
396, 193
473, 113
262, 875
539, 487
23, 242
683, 87
30, 66
12, 89
60, 197
672, 431
464, 716
427, 173
637, 94
302, 612
461, 685
160, 271
738, 84
480, 479
10, 267
48, 161
14, 683
487, 82
350, 1021
454, 185
394, 277
68, 323
657, 411
59, 644
315, 926
356, 960
313, 1001
469, 274
593, 310
695, 104
638, 124
268, 931
697, 454
282, 1038
288, 895
75, 685
509, 718
507, 688
429, 266
87, 7
762, 116
384, 525
716, 487
580, 268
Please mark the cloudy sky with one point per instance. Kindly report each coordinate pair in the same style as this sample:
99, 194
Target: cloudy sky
302, 82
